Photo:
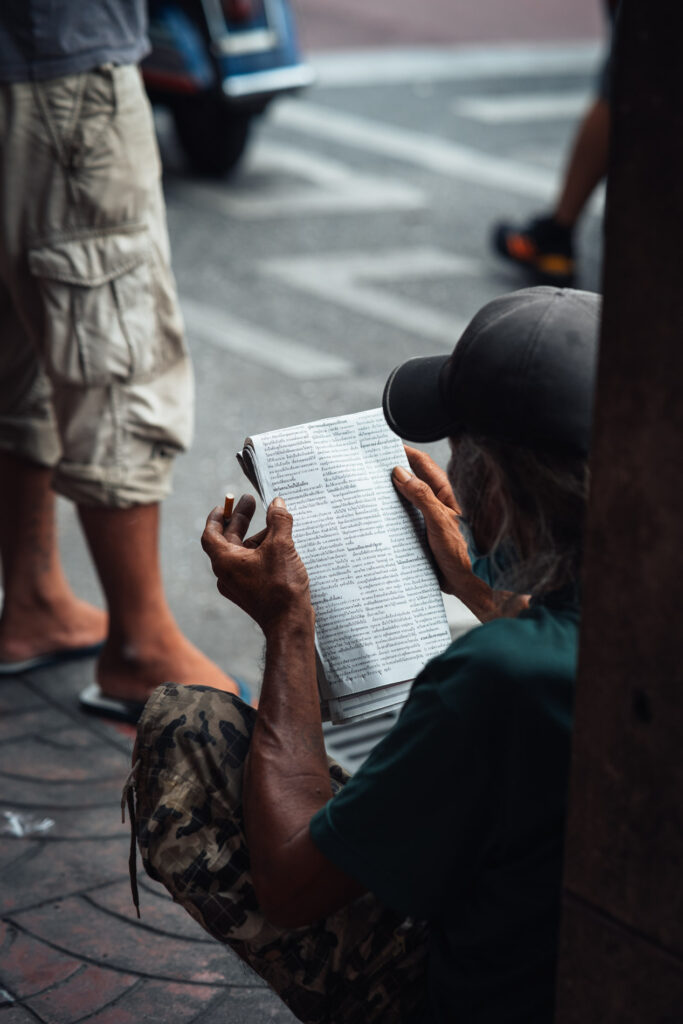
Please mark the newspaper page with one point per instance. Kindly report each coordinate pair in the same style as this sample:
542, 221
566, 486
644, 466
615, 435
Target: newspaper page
379, 612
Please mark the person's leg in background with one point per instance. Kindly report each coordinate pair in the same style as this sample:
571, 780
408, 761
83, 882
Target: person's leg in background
544, 246
89, 274
587, 165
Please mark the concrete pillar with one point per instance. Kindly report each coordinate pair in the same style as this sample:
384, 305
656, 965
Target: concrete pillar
622, 935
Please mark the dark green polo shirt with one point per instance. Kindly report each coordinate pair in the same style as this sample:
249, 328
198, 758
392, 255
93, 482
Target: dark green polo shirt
457, 816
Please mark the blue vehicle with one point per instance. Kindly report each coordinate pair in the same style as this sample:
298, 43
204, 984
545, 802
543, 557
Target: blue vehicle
217, 64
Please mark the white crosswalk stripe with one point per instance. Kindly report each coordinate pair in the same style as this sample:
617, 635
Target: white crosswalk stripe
347, 280
275, 351
362, 68
434, 154
522, 108
321, 185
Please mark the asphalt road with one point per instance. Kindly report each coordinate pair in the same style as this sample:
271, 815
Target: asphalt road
354, 235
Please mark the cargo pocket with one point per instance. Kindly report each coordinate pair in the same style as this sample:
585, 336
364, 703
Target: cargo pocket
100, 317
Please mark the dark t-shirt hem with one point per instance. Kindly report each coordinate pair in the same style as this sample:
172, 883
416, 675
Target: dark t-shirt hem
73, 64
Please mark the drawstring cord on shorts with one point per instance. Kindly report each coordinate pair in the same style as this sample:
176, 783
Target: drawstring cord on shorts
128, 798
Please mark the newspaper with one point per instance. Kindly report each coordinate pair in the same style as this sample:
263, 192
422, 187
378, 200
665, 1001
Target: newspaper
379, 612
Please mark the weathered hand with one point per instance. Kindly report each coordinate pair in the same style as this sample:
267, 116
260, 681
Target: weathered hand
263, 574
429, 490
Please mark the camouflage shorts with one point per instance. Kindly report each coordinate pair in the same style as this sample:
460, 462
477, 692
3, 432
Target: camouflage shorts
362, 964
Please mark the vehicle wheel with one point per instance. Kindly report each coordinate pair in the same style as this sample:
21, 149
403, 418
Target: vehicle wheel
212, 135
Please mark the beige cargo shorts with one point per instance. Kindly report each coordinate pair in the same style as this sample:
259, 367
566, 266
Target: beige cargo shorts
95, 378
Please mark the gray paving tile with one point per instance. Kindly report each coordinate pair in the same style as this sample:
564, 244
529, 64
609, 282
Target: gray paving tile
28, 967
85, 992
158, 911
36, 871
81, 929
16, 697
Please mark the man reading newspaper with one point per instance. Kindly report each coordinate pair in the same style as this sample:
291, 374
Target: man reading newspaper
426, 887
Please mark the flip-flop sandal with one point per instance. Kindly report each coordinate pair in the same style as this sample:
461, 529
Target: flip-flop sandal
16, 668
95, 702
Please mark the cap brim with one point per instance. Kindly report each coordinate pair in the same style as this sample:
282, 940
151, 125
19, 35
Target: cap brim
412, 401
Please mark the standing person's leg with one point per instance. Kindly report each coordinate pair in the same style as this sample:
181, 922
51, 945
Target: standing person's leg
589, 155
150, 421
144, 645
88, 272
41, 616
545, 245
363, 965
587, 165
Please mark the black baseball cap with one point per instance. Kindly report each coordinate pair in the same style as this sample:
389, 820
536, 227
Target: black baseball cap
522, 371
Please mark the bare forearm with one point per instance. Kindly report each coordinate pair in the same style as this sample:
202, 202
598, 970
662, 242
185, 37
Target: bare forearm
287, 779
287, 743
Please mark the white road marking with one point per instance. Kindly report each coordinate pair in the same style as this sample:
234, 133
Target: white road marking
346, 279
398, 67
523, 108
327, 186
19, 824
259, 345
433, 154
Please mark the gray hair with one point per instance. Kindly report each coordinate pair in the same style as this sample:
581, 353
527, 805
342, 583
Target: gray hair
540, 504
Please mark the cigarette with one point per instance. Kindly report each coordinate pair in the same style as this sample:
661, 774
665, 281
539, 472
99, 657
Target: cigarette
227, 508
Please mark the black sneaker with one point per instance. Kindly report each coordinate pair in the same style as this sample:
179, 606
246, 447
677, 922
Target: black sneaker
542, 246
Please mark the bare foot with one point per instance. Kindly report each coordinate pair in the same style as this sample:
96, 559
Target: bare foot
132, 673
44, 627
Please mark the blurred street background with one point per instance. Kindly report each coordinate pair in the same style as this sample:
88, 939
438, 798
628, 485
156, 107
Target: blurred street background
354, 234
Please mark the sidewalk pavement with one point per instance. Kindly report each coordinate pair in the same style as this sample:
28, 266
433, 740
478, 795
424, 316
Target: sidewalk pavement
71, 947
